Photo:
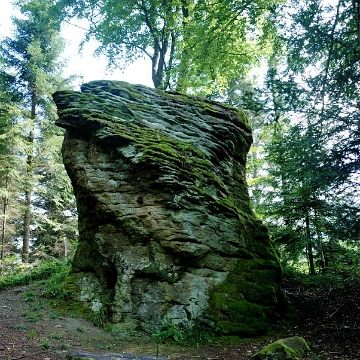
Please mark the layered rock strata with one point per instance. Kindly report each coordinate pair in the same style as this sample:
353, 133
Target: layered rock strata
167, 235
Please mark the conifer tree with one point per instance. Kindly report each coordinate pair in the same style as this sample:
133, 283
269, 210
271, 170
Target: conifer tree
9, 98
312, 156
32, 54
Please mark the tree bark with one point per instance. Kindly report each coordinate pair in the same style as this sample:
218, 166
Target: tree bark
184, 60
26, 236
28, 187
309, 247
3, 225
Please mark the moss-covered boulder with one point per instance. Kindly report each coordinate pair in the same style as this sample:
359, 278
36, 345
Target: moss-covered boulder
292, 348
167, 235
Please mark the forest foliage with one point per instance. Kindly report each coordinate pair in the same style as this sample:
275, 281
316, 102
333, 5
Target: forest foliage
294, 67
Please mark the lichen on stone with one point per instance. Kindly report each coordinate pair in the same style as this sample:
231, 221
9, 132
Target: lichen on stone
166, 228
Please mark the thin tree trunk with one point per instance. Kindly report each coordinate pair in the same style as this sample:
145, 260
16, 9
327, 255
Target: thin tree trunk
65, 247
184, 60
309, 246
320, 244
28, 188
322, 254
26, 236
3, 225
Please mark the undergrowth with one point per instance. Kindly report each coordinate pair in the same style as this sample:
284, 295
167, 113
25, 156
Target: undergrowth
24, 274
330, 278
53, 285
190, 335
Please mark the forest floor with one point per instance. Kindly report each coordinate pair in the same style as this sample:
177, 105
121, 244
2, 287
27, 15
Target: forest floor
328, 318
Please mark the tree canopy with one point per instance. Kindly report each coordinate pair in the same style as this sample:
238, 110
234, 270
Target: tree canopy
198, 45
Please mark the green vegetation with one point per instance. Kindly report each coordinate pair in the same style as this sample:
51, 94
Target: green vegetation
65, 347
20, 326
37, 204
33, 317
56, 336
195, 335
54, 288
21, 275
31, 334
195, 45
44, 343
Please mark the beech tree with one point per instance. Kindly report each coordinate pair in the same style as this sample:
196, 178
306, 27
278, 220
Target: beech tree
200, 45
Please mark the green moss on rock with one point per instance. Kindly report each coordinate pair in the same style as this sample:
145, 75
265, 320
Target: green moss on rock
165, 220
292, 348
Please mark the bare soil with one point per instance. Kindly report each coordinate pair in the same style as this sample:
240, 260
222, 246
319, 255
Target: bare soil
31, 329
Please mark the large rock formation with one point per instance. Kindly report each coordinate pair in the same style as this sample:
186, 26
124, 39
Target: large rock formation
167, 235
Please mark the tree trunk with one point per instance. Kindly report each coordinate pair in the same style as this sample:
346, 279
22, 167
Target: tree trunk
65, 247
184, 60
26, 236
320, 244
28, 181
3, 225
309, 246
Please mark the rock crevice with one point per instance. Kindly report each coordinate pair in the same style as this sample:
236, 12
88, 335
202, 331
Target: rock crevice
167, 235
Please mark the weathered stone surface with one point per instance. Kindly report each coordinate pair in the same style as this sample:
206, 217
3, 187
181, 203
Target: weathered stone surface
292, 348
167, 234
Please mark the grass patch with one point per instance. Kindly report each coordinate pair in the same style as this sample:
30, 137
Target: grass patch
45, 344
53, 286
20, 326
65, 347
55, 315
25, 274
34, 317
31, 334
28, 296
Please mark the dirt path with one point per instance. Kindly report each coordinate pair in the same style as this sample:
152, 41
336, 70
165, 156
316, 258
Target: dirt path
30, 329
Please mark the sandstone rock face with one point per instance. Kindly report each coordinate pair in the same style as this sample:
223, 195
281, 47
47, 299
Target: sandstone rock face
167, 235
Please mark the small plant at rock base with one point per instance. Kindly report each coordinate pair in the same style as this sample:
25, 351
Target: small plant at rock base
170, 333
56, 336
193, 335
53, 286
80, 329
20, 326
31, 334
65, 347
45, 345
99, 318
